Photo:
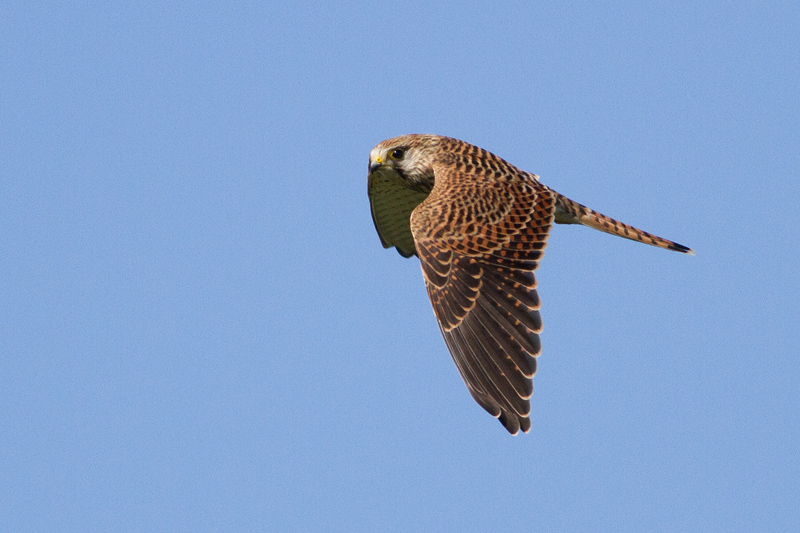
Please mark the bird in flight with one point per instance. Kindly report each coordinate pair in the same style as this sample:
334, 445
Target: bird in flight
479, 226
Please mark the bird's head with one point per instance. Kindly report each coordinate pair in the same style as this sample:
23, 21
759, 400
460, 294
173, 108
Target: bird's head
409, 159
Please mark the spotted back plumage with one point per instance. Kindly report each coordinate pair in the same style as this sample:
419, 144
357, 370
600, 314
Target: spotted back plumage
479, 226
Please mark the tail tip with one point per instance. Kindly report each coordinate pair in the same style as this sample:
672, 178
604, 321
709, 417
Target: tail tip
681, 248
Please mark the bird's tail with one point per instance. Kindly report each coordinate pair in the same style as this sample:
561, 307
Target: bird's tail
571, 212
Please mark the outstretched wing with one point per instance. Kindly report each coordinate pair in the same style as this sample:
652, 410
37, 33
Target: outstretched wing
479, 244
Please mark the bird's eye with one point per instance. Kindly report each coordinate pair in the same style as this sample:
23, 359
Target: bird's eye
397, 154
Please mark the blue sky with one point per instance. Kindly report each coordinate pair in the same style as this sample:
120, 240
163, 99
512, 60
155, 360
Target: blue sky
199, 329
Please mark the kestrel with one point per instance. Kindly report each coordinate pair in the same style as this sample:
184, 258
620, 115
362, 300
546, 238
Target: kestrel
479, 226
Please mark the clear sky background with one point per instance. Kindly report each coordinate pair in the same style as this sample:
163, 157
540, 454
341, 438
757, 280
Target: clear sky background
200, 331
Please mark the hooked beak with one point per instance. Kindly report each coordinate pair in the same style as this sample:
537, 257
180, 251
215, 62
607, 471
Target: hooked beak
375, 164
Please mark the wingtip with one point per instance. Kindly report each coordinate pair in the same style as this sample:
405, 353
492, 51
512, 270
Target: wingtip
514, 424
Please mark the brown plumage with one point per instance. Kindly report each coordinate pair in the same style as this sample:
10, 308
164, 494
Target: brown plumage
479, 226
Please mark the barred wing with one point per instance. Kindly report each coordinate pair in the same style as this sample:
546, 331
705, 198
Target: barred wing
478, 249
